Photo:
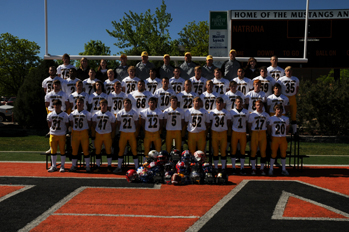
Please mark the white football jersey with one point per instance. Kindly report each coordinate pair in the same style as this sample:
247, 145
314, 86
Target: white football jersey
276, 72
196, 120
278, 125
258, 120
163, 97
128, 120
231, 97
239, 119
103, 122
130, 84
140, 100
94, 100
47, 83
80, 119
115, 101
70, 86
58, 122
220, 86
88, 85
152, 85
266, 84
244, 85
174, 118
289, 85
186, 100
51, 96
152, 119
253, 96
219, 120
63, 70
109, 85
177, 84
209, 100
198, 85
76, 95
272, 100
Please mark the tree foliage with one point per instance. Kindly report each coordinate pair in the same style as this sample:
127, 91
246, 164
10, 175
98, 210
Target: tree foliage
146, 31
29, 110
194, 37
96, 47
329, 78
18, 57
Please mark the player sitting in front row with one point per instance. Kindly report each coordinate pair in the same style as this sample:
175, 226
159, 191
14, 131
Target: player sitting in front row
278, 128
58, 123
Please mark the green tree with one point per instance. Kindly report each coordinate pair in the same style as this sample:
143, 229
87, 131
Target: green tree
194, 37
146, 31
18, 57
329, 78
29, 108
96, 47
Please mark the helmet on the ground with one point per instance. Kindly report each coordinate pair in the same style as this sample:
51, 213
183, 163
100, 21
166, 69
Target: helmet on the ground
131, 175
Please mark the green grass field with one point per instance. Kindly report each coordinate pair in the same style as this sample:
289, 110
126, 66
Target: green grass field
320, 153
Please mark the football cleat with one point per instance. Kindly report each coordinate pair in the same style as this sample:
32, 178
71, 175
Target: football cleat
52, 169
285, 173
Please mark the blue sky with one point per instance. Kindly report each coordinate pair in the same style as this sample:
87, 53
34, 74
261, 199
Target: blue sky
72, 23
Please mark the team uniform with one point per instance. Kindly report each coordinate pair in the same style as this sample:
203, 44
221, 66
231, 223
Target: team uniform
231, 97
289, 88
163, 97
253, 97
152, 85
152, 128
186, 100
63, 70
267, 84
258, 136
196, 128
103, 130
94, 100
80, 129
109, 85
57, 137
121, 72
177, 84
70, 86
47, 83
220, 86
198, 85
76, 95
174, 127
51, 96
88, 85
276, 72
219, 128
209, 100
115, 101
272, 100
130, 84
244, 85
140, 100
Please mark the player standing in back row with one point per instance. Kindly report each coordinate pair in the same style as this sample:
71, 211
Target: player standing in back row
274, 70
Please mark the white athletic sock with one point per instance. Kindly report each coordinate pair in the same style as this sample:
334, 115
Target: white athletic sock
62, 160
74, 161
136, 163
223, 163
283, 163
215, 163
54, 160
242, 163
272, 161
120, 160
253, 163
233, 161
109, 161
87, 160
98, 162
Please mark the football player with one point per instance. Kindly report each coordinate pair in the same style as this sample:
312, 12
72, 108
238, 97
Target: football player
232, 94
88, 83
70, 85
274, 70
58, 122
47, 83
109, 83
116, 98
104, 123
177, 82
267, 82
221, 85
278, 127
57, 93
290, 86
63, 69
257, 125
220, 122
277, 98
129, 84
174, 121
245, 84
80, 121
163, 94
253, 96
208, 97
140, 97
198, 81
95, 98
186, 97
78, 94
152, 83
